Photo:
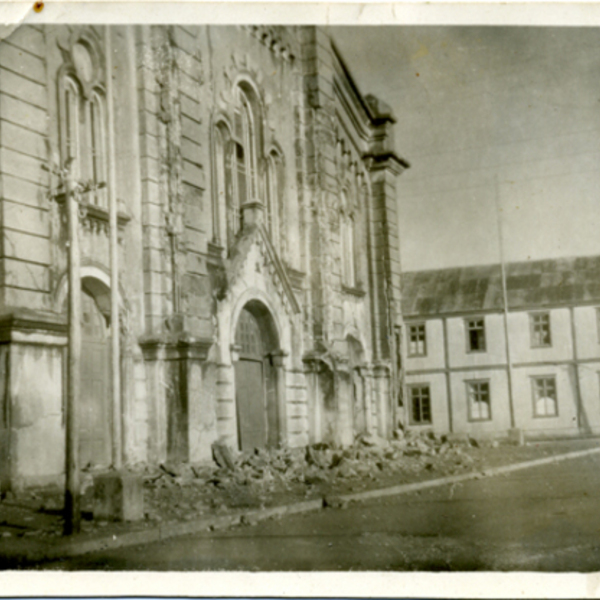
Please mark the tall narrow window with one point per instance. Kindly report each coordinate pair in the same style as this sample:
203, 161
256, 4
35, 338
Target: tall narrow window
540, 330
241, 181
237, 163
248, 130
70, 123
97, 150
478, 393
83, 127
544, 396
226, 209
417, 343
475, 335
420, 404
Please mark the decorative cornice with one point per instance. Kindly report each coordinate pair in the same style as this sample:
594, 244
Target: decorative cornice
96, 219
353, 291
163, 348
215, 252
382, 369
268, 36
387, 160
25, 322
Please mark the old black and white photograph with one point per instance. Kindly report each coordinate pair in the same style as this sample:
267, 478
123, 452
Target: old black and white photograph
299, 297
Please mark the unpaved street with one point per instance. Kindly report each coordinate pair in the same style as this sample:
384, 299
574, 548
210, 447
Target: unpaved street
545, 518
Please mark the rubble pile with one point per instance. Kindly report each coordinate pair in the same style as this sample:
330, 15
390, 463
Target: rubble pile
255, 479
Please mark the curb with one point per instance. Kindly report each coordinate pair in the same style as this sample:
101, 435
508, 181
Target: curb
70, 548
431, 483
45, 551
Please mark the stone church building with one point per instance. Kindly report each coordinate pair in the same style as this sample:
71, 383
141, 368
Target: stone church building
259, 284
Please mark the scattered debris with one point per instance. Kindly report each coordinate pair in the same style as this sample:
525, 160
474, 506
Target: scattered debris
279, 475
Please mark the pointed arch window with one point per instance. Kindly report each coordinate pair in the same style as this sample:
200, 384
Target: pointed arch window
83, 126
229, 163
96, 137
70, 97
248, 134
237, 158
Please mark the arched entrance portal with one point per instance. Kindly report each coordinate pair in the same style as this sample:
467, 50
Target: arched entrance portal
94, 413
256, 378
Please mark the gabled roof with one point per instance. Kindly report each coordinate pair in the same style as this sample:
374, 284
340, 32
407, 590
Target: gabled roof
530, 285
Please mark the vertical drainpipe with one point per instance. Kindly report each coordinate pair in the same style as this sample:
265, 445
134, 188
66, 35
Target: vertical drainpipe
114, 262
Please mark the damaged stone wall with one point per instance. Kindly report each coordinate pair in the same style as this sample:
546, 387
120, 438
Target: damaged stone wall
183, 285
256, 267
341, 129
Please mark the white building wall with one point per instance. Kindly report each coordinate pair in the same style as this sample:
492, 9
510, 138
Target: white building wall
439, 402
589, 384
586, 327
458, 352
561, 347
577, 389
434, 340
499, 402
566, 394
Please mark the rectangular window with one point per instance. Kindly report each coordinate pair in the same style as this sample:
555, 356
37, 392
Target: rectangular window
540, 330
598, 322
417, 345
475, 335
478, 393
420, 405
544, 396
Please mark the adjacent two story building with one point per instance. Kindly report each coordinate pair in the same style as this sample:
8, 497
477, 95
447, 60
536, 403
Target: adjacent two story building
472, 368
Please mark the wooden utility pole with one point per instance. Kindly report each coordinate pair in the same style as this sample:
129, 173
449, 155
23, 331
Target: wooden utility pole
72, 487
71, 193
117, 452
509, 366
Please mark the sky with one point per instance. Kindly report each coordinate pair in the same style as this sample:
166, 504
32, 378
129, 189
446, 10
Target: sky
488, 117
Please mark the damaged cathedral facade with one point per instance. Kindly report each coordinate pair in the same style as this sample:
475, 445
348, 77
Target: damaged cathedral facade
259, 282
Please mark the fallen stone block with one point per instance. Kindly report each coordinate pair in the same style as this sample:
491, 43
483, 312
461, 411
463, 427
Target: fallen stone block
171, 470
399, 434
313, 457
314, 478
371, 440
118, 496
516, 436
334, 502
222, 456
336, 459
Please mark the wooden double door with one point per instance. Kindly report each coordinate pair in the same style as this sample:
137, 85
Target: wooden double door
256, 386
